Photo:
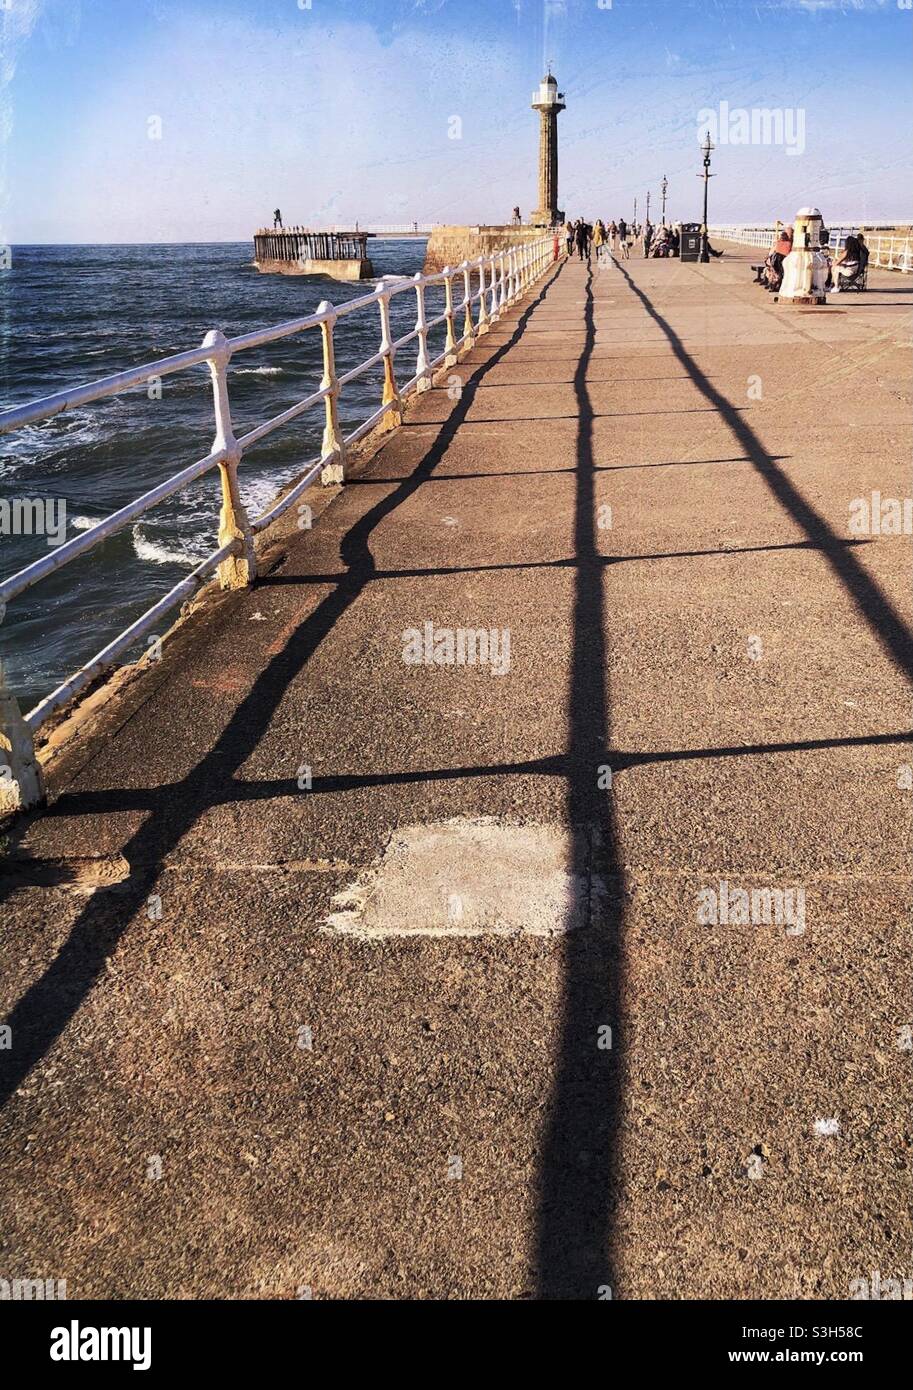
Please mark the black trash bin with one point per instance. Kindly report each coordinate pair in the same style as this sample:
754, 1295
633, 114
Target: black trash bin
691, 241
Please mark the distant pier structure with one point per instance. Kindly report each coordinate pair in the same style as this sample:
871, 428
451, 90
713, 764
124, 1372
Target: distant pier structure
297, 251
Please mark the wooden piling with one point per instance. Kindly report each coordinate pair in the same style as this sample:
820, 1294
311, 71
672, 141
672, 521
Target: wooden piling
298, 246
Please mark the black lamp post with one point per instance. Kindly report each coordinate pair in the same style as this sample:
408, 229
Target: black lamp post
647, 218
663, 186
707, 176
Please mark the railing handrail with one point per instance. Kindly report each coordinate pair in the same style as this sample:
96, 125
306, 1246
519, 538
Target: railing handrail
885, 252
503, 276
45, 407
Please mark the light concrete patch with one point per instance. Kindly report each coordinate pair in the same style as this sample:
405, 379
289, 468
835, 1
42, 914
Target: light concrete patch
470, 878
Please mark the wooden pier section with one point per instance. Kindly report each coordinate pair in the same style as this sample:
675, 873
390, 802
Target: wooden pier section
298, 251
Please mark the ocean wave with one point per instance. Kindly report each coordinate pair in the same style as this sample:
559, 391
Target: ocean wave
84, 523
44, 431
258, 493
259, 371
179, 552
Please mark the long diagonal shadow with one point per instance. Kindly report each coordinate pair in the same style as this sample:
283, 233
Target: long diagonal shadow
579, 1148
728, 552
87, 803
46, 1007
874, 606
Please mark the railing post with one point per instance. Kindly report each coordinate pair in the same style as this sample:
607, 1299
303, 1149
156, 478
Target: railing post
503, 266
513, 277
423, 381
391, 396
492, 290
483, 325
495, 297
469, 332
240, 568
450, 348
333, 450
21, 782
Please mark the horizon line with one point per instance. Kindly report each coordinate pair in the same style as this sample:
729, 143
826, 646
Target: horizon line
906, 221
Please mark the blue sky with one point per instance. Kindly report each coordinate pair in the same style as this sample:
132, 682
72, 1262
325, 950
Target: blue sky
345, 109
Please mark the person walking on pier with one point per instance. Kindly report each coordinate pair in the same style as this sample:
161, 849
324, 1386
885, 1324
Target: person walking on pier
277, 219
600, 238
569, 235
583, 235
623, 239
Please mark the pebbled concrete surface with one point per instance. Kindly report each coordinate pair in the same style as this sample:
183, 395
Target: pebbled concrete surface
208, 1094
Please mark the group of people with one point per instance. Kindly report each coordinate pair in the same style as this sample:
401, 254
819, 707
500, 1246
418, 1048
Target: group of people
850, 262
618, 237
662, 242
581, 236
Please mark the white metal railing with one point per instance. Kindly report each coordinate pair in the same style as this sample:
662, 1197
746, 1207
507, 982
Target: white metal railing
489, 284
885, 252
390, 228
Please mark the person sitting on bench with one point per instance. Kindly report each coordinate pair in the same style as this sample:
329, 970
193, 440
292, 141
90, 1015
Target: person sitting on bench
773, 266
849, 264
659, 246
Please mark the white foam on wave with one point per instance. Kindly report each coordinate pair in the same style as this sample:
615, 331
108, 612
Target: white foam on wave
257, 494
84, 523
35, 439
158, 553
259, 371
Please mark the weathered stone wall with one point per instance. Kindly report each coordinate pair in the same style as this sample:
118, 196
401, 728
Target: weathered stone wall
449, 245
338, 270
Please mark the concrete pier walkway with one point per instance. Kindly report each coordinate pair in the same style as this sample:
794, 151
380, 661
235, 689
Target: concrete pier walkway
333, 971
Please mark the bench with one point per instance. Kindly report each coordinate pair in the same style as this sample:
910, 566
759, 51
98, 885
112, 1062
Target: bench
857, 282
